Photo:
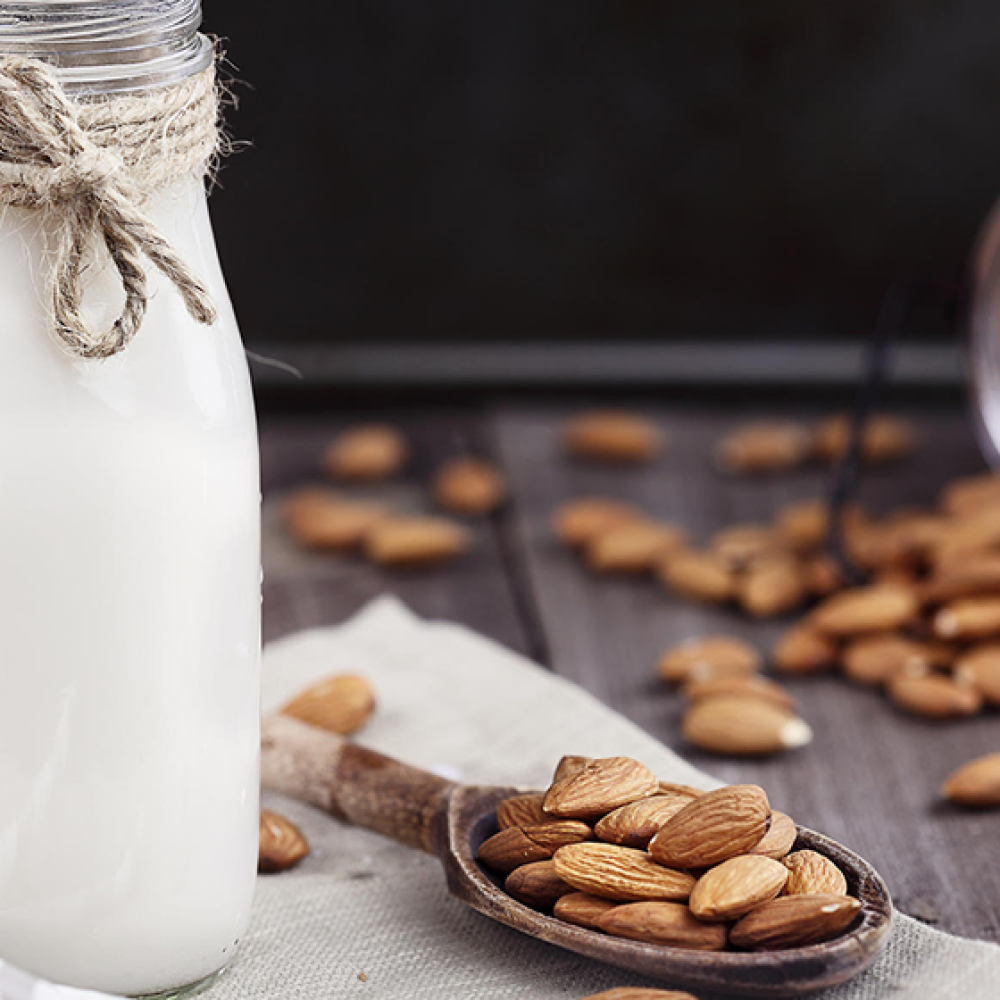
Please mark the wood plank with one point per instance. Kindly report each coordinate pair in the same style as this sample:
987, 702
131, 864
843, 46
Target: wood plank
308, 589
871, 775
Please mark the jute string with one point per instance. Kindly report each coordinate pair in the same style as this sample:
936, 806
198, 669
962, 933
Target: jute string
89, 165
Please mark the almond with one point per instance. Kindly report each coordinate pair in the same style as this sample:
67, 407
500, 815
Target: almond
633, 547
743, 544
976, 783
662, 923
810, 872
885, 439
672, 788
771, 587
699, 659
821, 575
744, 727
634, 825
713, 828
779, 839
366, 454
613, 436
735, 887
973, 576
804, 526
340, 704
963, 496
699, 576
552, 836
582, 909
536, 885
568, 765
875, 659
640, 993
321, 519
510, 849
968, 619
416, 541
969, 534
522, 810
802, 650
767, 446
470, 486
578, 521
598, 787
934, 696
282, 844
980, 667
878, 608
740, 687
794, 921
620, 873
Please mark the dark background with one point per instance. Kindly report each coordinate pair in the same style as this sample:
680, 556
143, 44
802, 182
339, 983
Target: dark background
525, 171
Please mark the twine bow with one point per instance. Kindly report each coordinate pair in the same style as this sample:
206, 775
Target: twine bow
48, 161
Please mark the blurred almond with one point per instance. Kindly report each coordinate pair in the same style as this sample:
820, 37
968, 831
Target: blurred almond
582, 909
803, 651
633, 547
522, 810
322, 519
794, 921
877, 608
771, 587
976, 783
714, 827
740, 687
367, 454
598, 787
282, 844
699, 576
670, 924
821, 575
339, 704
763, 447
705, 657
620, 873
734, 888
975, 575
741, 544
811, 872
962, 496
934, 696
885, 439
416, 541
576, 522
875, 659
980, 667
536, 885
780, 837
743, 727
614, 436
470, 486
635, 825
803, 526
968, 619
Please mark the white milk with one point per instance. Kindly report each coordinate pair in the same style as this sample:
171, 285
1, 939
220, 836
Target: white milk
129, 632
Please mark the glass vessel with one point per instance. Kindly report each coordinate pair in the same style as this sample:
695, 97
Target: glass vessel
129, 581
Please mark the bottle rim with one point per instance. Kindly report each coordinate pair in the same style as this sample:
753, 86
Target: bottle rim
109, 46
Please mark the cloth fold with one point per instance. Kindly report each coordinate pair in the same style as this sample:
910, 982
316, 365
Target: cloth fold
365, 917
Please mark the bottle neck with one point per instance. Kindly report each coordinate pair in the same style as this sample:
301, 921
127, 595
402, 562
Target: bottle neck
108, 46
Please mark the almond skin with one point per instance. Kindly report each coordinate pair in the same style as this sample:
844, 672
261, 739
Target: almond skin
663, 923
875, 659
699, 576
322, 520
620, 873
416, 541
536, 885
780, 837
763, 447
821, 575
976, 783
553, 835
810, 872
976, 575
771, 587
569, 764
582, 909
636, 824
340, 704
634, 547
612, 436
980, 667
282, 844
879, 608
522, 810
740, 687
969, 619
366, 454
470, 486
734, 888
743, 727
794, 921
713, 828
510, 849
802, 650
578, 521
599, 787
706, 657
935, 696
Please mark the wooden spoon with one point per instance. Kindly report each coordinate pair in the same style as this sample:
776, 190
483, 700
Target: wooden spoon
450, 821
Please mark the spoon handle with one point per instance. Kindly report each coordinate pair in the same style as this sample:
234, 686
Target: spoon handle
351, 782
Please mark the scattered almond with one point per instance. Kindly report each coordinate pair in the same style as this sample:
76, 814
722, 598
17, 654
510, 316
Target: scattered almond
875, 659
633, 547
934, 696
578, 521
700, 576
470, 486
969, 619
322, 519
598, 787
802, 650
734, 888
980, 667
663, 923
794, 921
282, 844
416, 541
767, 446
877, 608
810, 872
821, 575
367, 454
536, 885
706, 657
974, 576
743, 727
771, 587
740, 687
582, 909
962, 496
620, 873
340, 704
976, 783
885, 439
610, 435
743, 544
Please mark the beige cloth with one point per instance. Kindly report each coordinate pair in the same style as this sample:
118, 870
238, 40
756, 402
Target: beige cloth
455, 702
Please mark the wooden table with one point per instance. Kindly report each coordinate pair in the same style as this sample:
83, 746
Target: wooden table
871, 775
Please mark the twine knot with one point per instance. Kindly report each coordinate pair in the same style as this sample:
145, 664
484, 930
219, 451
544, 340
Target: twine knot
50, 161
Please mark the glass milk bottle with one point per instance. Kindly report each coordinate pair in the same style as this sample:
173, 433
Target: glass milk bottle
129, 560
